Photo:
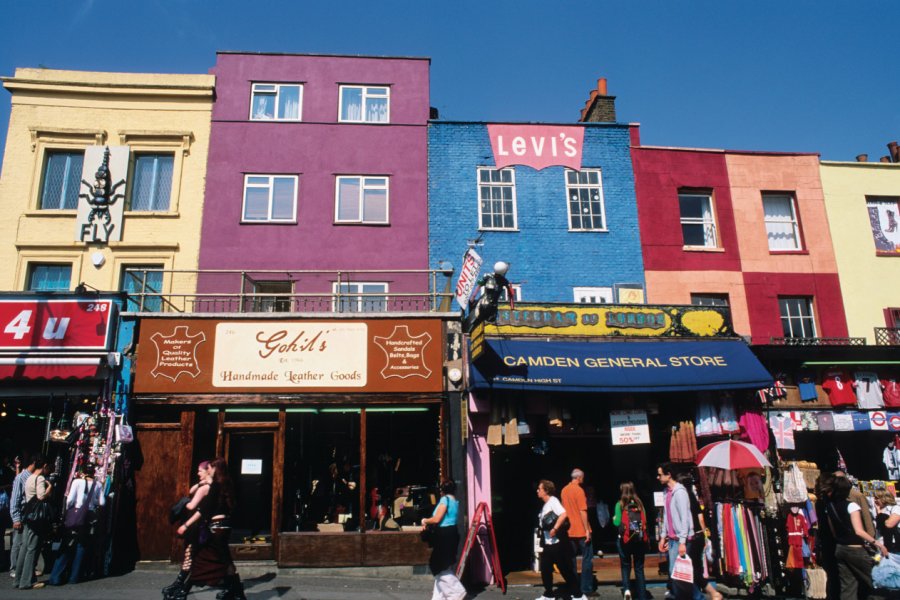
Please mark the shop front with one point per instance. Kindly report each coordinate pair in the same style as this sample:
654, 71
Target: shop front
336, 432
608, 389
60, 393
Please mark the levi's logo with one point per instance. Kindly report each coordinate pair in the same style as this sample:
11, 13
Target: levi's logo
537, 146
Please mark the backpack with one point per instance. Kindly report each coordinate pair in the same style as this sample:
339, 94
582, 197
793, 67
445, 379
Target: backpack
634, 525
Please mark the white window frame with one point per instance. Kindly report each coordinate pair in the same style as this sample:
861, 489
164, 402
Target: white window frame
787, 317
357, 294
711, 222
277, 86
582, 295
362, 194
366, 94
271, 188
794, 221
575, 187
511, 185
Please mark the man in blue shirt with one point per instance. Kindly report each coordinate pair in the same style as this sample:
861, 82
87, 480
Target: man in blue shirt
16, 503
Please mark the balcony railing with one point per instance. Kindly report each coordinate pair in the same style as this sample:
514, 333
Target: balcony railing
267, 291
818, 341
887, 336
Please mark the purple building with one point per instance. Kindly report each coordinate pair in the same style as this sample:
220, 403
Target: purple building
316, 188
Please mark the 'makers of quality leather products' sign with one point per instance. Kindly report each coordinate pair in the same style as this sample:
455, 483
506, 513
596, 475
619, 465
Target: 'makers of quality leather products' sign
203, 356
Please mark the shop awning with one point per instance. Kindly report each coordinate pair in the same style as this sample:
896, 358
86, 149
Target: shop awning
86, 367
645, 366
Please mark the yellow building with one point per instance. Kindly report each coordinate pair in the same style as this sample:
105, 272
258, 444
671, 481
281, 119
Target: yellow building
66, 221
863, 205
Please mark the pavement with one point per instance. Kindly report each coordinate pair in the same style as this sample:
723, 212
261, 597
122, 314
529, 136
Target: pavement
146, 582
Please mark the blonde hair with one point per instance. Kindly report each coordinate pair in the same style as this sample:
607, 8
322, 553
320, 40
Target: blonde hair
885, 498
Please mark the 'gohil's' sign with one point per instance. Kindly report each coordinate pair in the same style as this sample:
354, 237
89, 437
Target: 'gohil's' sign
536, 146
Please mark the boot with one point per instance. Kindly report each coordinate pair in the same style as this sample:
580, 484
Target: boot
234, 589
176, 585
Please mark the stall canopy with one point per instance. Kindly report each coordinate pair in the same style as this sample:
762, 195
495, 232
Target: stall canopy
632, 366
50, 368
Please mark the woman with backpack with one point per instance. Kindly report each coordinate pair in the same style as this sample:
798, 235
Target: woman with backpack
631, 519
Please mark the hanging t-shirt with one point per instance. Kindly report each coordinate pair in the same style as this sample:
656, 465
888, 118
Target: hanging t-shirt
783, 431
891, 391
868, 390
806, 383
839, 386
843, 422
825, 420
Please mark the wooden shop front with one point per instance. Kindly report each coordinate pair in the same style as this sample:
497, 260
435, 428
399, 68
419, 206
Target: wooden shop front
335, 431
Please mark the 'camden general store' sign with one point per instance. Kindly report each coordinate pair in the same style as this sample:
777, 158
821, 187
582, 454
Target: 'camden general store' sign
283, 356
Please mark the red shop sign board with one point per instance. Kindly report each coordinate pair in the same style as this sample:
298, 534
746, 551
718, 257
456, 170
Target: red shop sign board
55, 324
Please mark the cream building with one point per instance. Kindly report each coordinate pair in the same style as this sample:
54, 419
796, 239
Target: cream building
156, 127
863, 205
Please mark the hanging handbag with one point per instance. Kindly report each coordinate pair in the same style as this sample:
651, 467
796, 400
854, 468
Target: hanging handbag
794, 485
818, 583
124, 432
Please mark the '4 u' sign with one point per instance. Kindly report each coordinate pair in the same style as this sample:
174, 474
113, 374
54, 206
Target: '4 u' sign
55, 324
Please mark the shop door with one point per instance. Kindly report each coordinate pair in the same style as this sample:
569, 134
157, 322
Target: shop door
155, 488
250, 457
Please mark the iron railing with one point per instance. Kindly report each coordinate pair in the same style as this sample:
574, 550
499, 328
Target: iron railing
266, 291
817, 341
887, 336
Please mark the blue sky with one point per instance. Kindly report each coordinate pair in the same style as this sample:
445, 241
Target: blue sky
811, 76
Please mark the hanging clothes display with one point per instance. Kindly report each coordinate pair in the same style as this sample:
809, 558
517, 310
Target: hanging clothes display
891, 459
728, 420
707, 419
890, 391
868, 390
754, 428
839, 386
798, 533
783, 430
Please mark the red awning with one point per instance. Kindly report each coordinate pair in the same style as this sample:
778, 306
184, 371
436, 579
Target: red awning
49, 368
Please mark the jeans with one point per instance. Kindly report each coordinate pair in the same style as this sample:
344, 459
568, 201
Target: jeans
28, 553
854, 570
14, 545
558, 554
673, 554
628, 553
584, 548
72, 551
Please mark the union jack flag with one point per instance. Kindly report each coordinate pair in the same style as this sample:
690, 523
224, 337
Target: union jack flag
783, 429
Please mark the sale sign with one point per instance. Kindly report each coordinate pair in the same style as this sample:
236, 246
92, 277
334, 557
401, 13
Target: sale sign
55, 324
629, 427
537, 146
468, 275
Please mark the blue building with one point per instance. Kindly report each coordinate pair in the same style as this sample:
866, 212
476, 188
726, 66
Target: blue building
569, 229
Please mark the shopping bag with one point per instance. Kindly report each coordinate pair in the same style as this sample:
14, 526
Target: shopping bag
817, 584
683, 578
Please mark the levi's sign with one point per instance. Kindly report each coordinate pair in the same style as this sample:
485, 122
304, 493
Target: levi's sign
537, 146
55, 324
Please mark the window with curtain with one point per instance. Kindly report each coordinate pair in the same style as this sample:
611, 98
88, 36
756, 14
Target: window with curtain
143, 283
585, 199
797, 318
593, 295
49, 278
496, 198
151, 184
361, 199
276, 102
698, 223
782, 228
61, 180
365, 104
709, 299
270, 198
362, 296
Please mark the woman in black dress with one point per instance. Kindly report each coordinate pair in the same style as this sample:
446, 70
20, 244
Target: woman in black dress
211, 562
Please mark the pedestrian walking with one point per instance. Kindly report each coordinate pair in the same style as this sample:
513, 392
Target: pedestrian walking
211, 561
16, 503
631, 520
678, 525
445, 543
555, 550
82, 505
887, 520
574, 500
180, 587
854, 562
34, 534
697, 547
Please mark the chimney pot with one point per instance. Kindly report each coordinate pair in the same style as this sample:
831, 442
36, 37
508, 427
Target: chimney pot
862, 158
885, 159
895, 151
601, 86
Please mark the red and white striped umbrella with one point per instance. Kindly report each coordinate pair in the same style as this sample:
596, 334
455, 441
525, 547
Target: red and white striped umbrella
731, 454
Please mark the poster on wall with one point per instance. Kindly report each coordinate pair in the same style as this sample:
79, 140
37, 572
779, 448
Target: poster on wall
883, 216
629, 427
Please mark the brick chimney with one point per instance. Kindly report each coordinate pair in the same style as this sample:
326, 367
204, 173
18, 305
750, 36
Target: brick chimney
600, 107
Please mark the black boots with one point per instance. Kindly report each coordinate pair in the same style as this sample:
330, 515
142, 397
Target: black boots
234, 589
179, 588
